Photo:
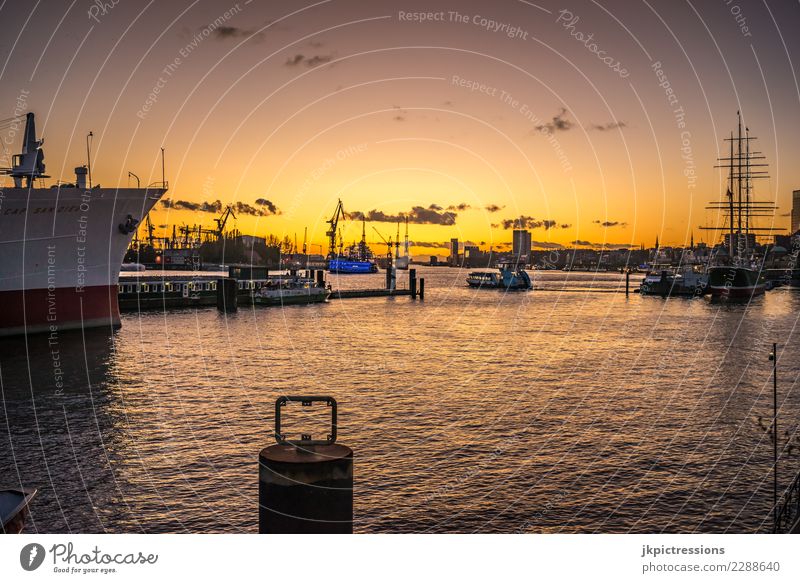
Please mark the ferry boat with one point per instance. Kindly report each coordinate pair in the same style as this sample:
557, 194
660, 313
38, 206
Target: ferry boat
61, 247
739, 275
507, 277
291, 290
686, 281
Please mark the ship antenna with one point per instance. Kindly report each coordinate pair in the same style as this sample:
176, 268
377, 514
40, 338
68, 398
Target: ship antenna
89, 157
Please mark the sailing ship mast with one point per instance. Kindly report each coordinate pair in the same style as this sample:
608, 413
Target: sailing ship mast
740, 207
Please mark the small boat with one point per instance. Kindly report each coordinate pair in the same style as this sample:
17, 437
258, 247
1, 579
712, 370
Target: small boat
283, 291
665, 282
14, 508
507, 277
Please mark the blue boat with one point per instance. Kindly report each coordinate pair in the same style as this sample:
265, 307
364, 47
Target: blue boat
357, 258
345, 265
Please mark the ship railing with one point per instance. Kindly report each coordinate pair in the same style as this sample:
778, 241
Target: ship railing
787, 513
158, 185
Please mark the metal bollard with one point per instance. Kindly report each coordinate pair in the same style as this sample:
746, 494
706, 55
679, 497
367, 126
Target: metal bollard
305, 485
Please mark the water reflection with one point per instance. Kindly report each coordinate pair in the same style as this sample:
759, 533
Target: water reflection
473, 411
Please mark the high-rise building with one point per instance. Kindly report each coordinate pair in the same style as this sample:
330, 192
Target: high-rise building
521, 245
454, 251
795, 211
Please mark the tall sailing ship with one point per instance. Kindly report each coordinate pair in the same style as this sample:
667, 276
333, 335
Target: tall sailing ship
61, 247
737, 273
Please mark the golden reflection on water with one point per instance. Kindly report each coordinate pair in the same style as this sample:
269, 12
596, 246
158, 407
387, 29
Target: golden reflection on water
474, 411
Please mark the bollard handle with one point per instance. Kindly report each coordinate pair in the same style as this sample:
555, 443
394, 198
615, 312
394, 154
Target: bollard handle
305, 439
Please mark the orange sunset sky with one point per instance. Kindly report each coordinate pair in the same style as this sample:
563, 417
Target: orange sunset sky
473, 113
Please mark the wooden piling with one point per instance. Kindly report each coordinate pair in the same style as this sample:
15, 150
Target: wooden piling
412, 282
422, 288
627, 282
227, 290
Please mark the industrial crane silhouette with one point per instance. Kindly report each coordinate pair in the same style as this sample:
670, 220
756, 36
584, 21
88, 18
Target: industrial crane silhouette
332, 231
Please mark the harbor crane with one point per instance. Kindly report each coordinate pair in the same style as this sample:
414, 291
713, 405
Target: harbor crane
332, 230
388, 243
223, 219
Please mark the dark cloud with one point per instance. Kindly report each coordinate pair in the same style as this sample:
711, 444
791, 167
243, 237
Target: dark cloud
525, 222
186, 205
228, 32
263, 207
582, 243
262, 210
493, 208
612, 125
311, 61
432, 215
546, 245
269, 205
459, 207
566, 225
558, 123
610, 223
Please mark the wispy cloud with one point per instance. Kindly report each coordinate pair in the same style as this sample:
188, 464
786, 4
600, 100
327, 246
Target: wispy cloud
308, 61
493, 208
608, 224
559, 123
612, 125
228, 32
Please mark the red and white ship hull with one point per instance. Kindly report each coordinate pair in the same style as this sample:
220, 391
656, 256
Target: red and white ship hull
60, 255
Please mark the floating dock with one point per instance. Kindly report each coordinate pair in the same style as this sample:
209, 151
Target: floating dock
141, 292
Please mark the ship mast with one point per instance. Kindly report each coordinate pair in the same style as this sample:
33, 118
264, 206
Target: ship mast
740, 206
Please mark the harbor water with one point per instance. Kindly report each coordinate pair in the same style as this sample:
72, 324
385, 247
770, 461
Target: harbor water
472, 411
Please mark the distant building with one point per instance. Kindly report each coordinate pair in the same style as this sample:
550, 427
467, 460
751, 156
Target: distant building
795, 211
474, 257
521, 245
454, 258
250, 241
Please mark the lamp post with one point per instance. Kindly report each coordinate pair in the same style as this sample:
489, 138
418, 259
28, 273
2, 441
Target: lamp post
774, 358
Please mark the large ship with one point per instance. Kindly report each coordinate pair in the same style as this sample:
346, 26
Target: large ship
61, 247
357, 258
737, 273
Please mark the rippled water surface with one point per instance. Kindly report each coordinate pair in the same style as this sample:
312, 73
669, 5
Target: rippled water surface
473, 411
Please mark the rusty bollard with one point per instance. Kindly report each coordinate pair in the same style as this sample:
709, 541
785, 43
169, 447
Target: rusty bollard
305, 485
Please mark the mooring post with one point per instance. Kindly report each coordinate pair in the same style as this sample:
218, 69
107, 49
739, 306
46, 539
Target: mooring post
412, 282
227, 289
774, 358
422, 288
627, 281
305, 486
